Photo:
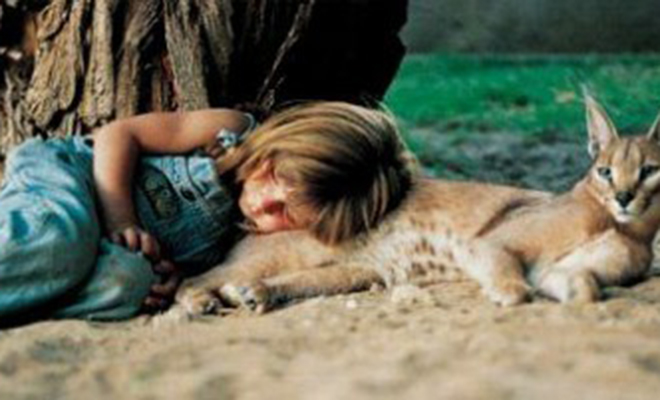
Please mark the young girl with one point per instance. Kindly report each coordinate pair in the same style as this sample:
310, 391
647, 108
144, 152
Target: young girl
92, 227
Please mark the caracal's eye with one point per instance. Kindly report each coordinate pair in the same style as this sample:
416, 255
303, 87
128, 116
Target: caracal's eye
605, 173
648, 170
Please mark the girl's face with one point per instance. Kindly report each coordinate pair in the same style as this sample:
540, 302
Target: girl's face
266, 202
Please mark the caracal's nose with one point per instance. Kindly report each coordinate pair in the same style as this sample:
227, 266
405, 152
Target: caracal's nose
624, 198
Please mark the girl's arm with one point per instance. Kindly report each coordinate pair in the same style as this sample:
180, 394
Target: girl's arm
118, 144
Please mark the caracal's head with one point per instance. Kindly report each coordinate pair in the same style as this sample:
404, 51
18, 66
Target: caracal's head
625, 174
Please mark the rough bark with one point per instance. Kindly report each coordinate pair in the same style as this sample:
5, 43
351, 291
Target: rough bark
98, 99
219, 35
138, 58
184, 44
17, 41
67, 66
59, 64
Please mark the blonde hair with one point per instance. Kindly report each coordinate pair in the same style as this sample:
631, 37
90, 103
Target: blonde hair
348, 163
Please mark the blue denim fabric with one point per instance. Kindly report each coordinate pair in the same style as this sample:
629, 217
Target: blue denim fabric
119, 282
181, 201
53, 261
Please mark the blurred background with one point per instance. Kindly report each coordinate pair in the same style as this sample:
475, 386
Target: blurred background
493, 89
566, 26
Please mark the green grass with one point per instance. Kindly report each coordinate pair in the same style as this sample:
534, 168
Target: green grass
530, 95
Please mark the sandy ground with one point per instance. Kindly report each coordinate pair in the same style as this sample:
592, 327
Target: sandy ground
444, 342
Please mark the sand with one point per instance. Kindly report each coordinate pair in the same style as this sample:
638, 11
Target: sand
446, 342
442, 342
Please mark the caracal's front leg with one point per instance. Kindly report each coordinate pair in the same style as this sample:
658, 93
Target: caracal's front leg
324, 280
609, 260
256, 257
201, 294
498, 271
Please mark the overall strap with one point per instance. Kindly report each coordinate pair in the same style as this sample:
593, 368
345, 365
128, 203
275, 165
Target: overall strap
228, 139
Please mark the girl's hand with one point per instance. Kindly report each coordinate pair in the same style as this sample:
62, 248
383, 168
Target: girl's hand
162, 294
138, 240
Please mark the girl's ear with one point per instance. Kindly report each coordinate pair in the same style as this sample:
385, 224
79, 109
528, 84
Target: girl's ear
654, 132
601, 129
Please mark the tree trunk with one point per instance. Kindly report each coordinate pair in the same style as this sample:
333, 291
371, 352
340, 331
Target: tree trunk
68, 66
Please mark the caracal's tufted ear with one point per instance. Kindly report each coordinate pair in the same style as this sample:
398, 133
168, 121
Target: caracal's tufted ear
654, 132
601, 129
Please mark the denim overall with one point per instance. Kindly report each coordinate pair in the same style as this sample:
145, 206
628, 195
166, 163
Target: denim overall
54, 262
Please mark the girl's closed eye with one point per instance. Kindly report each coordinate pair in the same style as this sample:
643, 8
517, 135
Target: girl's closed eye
264, 200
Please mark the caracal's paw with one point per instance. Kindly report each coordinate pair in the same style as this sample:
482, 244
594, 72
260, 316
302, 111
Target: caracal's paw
568, 287
582, 288
509, 293
198, 301
253, 296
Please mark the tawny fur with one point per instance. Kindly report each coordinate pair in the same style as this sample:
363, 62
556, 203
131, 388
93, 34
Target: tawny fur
514, 242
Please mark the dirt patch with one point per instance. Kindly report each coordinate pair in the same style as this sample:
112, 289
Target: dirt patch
545, 163
445, 342
363, 346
